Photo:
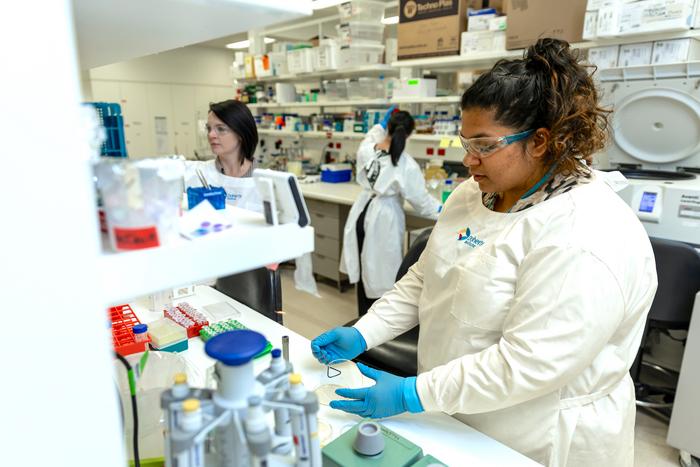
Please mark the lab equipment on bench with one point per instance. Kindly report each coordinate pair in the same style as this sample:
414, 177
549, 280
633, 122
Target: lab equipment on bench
231, 419
141, 201
281, 196
656, 146
188, 317
214, 329
370, 443
167, 336
126, 331
336, 173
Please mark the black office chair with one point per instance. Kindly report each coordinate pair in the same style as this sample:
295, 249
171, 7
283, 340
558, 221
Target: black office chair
259, 289
399, 356
678, 270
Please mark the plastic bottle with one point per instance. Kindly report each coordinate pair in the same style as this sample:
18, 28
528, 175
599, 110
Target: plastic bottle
140, 332
447, 188
297, 392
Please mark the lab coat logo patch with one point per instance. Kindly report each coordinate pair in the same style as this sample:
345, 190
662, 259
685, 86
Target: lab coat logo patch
466, 236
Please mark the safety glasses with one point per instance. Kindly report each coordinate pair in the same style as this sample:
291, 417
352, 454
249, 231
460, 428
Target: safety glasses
220, 130
488, 145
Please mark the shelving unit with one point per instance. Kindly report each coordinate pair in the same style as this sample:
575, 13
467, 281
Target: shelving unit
486, 59
374, 70
349, 103
129, 275
348, 135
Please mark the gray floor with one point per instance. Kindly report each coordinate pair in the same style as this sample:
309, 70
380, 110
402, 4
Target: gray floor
310, 316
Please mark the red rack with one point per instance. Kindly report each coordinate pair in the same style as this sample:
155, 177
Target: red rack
192, 331
123, 320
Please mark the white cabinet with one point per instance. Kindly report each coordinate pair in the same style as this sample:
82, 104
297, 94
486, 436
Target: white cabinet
184, 118
106, 91
160, 111
137, 126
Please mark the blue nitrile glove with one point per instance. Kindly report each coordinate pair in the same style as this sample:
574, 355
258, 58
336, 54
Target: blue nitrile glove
385, 121
343, 343
391, 395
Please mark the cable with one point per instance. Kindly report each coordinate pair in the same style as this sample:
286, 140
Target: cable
134, 409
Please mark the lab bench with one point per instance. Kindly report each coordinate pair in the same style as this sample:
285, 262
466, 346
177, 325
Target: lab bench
329, 205
446, 438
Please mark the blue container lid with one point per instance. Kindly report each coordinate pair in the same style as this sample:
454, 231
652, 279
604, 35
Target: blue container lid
140, 328
235, 348
276, 353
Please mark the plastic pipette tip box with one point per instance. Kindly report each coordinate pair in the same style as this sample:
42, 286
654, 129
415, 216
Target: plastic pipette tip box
123, 320
197, 318
167, 336
209, 331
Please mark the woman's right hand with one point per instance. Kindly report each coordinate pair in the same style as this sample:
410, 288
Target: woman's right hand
343, 343
387, 116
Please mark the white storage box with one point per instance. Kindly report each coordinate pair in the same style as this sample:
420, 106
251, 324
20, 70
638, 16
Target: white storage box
300, 61
262, 66
482, 41
604, 57
675, 51
479, 22
590, 25
366, 88
499, 23
608, 21
360, 32
352, 56
285, 93
415, 87
278, 62
361, 10
392, 49
327, 55
649, 16
635, 54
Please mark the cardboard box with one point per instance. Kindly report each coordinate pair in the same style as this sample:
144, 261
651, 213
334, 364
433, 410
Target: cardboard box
530, 20
604, 57
675, 51
635, 54
430, 28
482, 41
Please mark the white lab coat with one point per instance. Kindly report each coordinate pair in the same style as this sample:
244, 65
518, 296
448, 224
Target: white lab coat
240, 191
530, 322
385, 223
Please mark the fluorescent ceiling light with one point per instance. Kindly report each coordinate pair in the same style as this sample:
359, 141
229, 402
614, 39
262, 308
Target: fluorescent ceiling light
390, 20
246, 43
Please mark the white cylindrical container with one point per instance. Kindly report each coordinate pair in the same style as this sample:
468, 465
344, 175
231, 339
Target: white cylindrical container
297, 392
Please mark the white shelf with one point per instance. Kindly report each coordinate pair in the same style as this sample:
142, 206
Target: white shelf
348, 135
372, 70
250, 244
671, 70
489, 58
349, 103
111, 31
427, 100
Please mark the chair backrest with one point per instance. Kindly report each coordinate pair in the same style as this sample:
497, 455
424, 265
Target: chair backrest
678, 270
413, 253
258, 289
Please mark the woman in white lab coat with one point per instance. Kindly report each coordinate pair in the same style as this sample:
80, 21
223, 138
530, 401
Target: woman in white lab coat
533, 290
374, 231
233, 137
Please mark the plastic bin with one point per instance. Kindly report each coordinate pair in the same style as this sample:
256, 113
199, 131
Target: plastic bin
301, 60
362, 10
336, 173
336, 90
360, 32
110, 116
352, 56
215, 195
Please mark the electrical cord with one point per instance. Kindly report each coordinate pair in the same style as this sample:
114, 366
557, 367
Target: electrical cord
134, 409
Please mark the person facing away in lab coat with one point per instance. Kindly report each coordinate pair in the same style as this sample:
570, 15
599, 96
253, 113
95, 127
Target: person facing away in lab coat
233, 137
533, 290
374, 231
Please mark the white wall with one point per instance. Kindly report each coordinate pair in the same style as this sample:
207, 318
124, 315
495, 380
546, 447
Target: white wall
172, 87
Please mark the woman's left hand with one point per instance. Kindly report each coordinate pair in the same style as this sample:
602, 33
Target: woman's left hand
391, 395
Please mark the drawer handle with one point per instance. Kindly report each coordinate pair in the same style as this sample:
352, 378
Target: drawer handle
319, 215
320, 236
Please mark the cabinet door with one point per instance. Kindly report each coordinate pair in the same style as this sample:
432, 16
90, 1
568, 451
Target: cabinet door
137, 126
160, 112
184, 124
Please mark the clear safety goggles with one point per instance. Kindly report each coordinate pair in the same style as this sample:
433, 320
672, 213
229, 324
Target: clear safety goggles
487, 145
220, 130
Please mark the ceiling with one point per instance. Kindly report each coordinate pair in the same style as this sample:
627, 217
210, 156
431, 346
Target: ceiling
110, 31
302, 33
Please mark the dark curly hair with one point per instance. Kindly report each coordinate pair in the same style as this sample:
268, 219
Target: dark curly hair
548, 88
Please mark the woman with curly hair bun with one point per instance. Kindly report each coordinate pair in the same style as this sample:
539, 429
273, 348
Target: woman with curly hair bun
533, 290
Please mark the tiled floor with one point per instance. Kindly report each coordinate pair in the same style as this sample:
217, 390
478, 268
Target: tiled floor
309, 316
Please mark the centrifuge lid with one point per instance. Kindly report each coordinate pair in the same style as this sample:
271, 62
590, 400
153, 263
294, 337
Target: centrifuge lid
235, 348
659, 126
643, 174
